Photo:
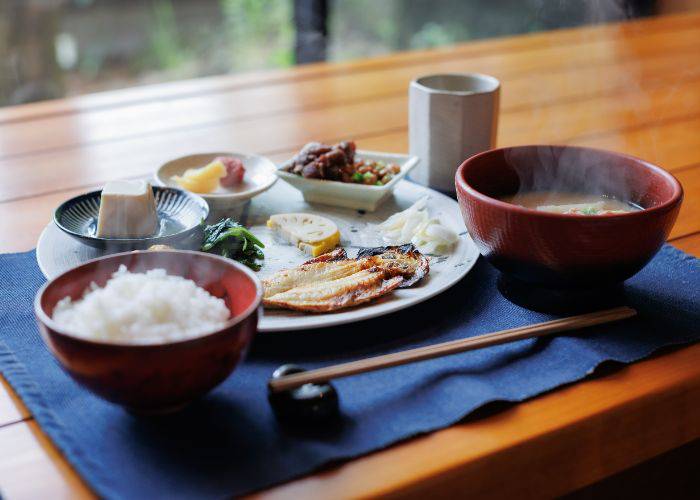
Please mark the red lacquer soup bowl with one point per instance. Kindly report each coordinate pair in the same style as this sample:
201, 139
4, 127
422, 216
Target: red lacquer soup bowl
563, 250
155, 377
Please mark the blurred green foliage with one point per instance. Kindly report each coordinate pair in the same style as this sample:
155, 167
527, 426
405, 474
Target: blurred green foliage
165, 49
259, 33
240, 35
120, 43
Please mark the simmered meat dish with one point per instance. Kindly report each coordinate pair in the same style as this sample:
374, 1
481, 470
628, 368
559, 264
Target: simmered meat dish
338, 163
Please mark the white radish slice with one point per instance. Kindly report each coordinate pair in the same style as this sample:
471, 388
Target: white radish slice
413, 225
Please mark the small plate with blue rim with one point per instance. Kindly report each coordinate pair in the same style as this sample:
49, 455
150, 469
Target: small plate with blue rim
180, 215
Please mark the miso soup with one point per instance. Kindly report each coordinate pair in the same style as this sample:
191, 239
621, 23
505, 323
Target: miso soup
571, 203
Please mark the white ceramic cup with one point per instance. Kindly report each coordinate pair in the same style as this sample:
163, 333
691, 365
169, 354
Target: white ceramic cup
451, 117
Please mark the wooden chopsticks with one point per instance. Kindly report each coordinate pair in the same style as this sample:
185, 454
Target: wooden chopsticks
452, 347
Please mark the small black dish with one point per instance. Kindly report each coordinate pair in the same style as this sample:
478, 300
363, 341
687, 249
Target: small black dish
180, 214
308, 404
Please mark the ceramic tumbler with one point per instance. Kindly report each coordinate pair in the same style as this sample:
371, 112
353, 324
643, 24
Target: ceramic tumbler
451, 117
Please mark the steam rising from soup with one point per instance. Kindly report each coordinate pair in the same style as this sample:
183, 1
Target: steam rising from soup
572, 181
571, 203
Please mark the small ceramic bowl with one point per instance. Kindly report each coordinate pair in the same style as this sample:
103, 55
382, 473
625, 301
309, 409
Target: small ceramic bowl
349, 195
259, 177
562, 250
155, 377
180, 214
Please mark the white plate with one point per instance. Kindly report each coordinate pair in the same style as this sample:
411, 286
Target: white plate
348, 194
260, 175
57, 252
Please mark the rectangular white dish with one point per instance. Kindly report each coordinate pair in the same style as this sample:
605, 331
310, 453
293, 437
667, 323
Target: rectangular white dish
350, 195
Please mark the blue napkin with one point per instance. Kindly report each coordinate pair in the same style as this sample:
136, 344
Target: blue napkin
230, 443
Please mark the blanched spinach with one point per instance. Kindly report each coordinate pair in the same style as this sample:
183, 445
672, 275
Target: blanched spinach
229, 239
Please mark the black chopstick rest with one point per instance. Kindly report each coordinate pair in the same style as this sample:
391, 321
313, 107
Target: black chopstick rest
308, 404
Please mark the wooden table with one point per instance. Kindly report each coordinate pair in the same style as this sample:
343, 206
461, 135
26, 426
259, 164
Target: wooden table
633, 87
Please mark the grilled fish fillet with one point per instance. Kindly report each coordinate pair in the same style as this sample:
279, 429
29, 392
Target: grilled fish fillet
332, 281
310, 274
404, 259
349, 291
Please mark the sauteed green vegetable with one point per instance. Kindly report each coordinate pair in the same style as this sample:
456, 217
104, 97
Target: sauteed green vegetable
229, 239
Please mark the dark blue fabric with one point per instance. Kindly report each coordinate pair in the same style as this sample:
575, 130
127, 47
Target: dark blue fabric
230, 443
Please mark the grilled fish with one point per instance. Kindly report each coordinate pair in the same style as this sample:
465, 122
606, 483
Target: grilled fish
404, 259
326, 296
333, 281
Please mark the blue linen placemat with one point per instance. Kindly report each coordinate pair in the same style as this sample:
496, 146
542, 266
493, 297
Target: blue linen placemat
230, 443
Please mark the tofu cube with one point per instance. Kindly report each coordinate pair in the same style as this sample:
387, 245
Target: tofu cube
127, 210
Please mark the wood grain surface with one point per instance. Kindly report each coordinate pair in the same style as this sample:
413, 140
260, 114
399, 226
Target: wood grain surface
632, 87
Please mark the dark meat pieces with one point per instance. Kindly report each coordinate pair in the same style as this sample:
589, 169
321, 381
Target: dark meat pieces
320, 161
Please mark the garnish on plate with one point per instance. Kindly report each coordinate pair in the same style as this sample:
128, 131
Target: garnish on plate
229, 239
312, 234
234, 171
415, 226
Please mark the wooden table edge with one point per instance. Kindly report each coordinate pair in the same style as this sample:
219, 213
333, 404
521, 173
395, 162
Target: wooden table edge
535, 436
440, 463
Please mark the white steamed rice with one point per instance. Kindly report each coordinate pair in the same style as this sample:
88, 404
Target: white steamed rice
142, 308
